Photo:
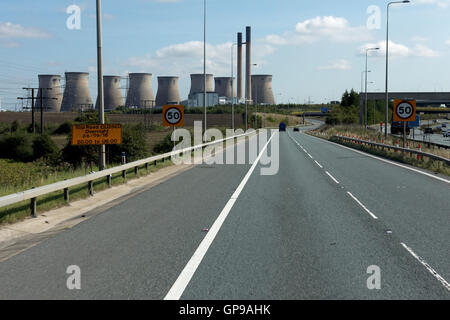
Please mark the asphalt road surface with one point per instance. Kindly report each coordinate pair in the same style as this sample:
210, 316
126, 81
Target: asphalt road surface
311, 231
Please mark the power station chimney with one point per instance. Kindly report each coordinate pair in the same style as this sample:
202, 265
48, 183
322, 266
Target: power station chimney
224, 87
168, 92
52, 98
198, 84
76, 94
239, 66
262, 89
140, 93
248, 65
112, 93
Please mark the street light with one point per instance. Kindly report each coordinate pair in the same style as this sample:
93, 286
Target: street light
365, 102
387, 64
362, 80
204, 68
101, 105
232, 86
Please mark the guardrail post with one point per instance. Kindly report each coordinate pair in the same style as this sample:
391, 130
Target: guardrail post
154, 163
136, 170
66, 195
33, 207
91, 188
109, 180
124, 174
146, 166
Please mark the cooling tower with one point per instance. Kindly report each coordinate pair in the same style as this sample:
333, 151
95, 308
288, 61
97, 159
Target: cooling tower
112, 93
168, 92
140, 93
198, 84
248, 64
239, 66
76, 94
262, 89
51, 98
224, 87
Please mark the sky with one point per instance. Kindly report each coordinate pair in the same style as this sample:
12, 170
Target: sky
315, 50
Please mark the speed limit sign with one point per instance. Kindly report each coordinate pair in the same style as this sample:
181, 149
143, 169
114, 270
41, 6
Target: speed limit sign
404, 110
173, 116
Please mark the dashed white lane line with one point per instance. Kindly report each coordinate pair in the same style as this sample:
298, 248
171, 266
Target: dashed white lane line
321, 167
363, 206
310, 156
428, 267
177, 289
333, 178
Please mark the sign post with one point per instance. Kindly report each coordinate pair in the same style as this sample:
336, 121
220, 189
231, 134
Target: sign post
173, 116
405, 111
96, 134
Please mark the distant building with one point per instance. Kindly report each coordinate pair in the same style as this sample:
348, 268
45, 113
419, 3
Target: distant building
197, 100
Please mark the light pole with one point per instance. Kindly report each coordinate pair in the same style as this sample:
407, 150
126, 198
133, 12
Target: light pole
204, 68
365, 102
232, 87
387, 65
255, 100
101, 106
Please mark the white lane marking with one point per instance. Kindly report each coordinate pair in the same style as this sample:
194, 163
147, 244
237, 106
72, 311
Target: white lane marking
363, 206
333, 178
429, 268
310, 156
384, 160
321, 167
189, 270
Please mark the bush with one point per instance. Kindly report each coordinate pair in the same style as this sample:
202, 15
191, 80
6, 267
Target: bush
44, 147
16, 147
164, 146
134, 144
64, 128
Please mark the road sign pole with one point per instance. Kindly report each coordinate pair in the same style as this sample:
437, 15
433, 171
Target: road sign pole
404, 134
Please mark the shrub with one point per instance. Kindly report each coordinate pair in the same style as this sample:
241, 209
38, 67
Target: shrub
64, 128
16, 147
134, 144
44, 147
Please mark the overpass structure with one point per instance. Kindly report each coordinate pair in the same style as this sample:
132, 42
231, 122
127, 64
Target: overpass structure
434, 99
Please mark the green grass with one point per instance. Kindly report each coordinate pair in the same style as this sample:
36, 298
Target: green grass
20, 211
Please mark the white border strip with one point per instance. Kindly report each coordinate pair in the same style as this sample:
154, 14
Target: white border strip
429, 268
384, 160
333, 178
189, 270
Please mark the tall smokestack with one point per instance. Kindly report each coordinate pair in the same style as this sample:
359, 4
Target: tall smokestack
239, 66
248, 65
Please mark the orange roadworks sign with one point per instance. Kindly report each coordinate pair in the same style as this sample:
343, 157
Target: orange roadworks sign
405, 110
173, 116
96, 134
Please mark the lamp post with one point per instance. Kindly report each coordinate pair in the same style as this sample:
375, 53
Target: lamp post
365, 102
387, 65
204, 69
232, 87
101, 106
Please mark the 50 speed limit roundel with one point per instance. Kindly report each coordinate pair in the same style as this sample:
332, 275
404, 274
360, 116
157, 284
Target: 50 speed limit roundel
173, 116
404, 110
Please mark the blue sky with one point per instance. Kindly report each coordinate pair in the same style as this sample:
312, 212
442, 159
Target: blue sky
312, 48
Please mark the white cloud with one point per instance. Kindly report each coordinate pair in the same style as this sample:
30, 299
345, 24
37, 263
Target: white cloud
185, 58
9, 30
341, 64
329, 28
399, 50
439, 3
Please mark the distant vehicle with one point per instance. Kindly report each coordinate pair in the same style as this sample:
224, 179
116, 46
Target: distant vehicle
282, 127
428, 131
446, 134
296, 130
397, 128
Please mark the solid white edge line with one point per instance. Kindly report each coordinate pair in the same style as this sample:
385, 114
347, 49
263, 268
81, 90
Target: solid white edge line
384, 160
177, 289
333, 178
362, 206
428, 267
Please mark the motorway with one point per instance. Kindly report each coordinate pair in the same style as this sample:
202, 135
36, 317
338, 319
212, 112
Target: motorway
226, 232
